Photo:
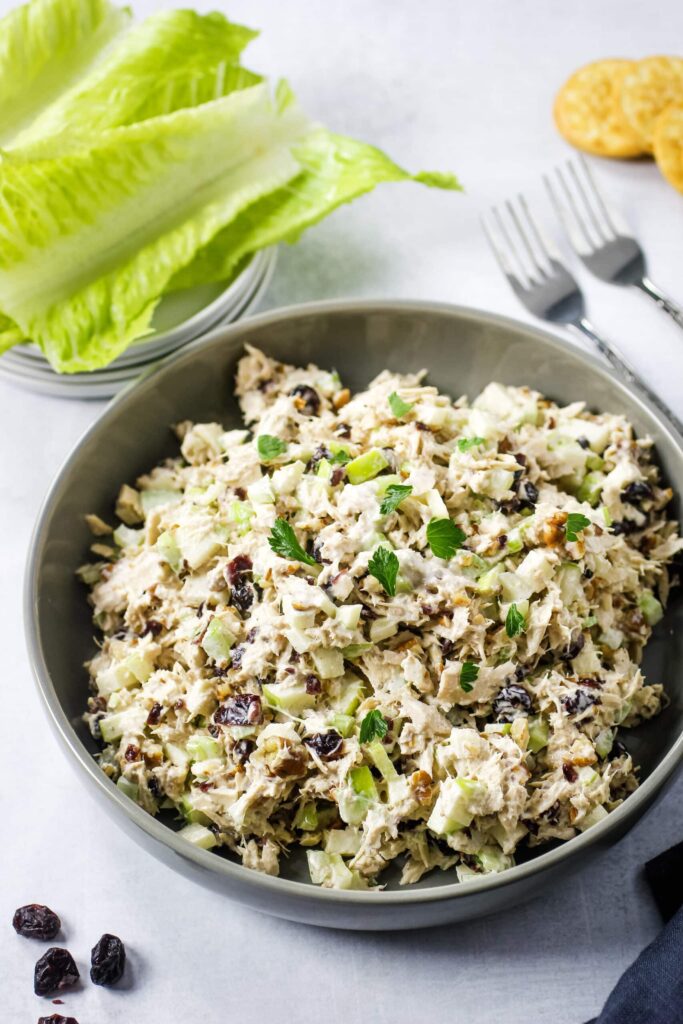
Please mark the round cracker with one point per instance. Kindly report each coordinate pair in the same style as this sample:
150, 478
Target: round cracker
588, 110
652, 86
668, 145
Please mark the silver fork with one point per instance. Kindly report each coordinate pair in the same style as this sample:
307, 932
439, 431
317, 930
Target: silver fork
543, 284
599, 235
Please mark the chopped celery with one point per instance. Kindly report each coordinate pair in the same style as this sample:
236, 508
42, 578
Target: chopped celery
366, 466
261, 492
168, 549
591, 488
451, 811
606, 515
499, 728
539, 733
343, 724
650, 607
199, 835
126, 537
515, 542
177, 755
569, 579
363, 783
203, 748
489, 582
190, 811
350, 697
324, 469
329, 869
592, 818
604, 742
594, 462
354, 651
381, 760
348, 615
161, 496
112, 727
329, 662
492, 859
218, 640
306, 818
289, 698
241, 513
382, 629
130, 789
344, 841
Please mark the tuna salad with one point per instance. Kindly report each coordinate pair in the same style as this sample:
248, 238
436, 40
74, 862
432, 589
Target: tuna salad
381, 627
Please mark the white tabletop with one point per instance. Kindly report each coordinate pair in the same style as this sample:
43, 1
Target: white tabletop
448, 84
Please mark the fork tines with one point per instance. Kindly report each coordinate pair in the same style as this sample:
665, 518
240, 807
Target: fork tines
523, 252
590, 222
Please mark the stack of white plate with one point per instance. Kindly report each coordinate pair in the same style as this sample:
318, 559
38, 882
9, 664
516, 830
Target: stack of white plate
181, 317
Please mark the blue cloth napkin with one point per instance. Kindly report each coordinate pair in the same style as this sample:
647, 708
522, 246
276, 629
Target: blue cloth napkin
651, 990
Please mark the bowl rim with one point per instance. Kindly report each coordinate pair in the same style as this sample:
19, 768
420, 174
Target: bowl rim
241, 876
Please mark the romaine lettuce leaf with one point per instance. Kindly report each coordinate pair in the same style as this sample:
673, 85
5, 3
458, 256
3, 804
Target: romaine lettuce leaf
173, 59
45, 46
90, 239
335, 170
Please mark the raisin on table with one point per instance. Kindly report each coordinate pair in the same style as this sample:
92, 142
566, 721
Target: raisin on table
108, 960
57, 1018
34, 921
55, 971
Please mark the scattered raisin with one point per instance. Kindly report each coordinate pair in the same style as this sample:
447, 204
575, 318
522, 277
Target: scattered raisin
132, 753
108, 959
447, 647
573, 648
584, 442
313, 684
153, 786
55, 971
530, 492
154, 713
237, 567
512, 701
242, 592
240, 493
569, 771
34, 921
579, 701
236, 655
321, 452
56, 1018
152, 627
244, 709
636, 492
241, 752
327, 745
307, 399
343, 430
624, 527
338, 475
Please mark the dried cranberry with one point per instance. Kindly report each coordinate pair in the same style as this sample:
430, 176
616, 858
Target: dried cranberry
624, 527
237, 567
153, 786
579, 701
214, 730
570, 773
56, 1018
55, 971
240, 493
338, 475
321, 452
552, 815
367, 614
327, 745
132, 753
520, 459
154, 713
573, 648
420, 425
309, 399
512, 701
237, 654
530, 492
636, 492
244, 709
344, 430
152, 627
618, 750
584, 442
108, 959
447, 647
241, 752
34, 921
588, 574
521, 672
313, 684
242, 595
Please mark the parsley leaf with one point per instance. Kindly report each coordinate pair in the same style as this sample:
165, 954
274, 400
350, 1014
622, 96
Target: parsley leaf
373, 727
340, 458
395, 494
515, 622
270, 447
465, 443
398, 406
444, 537
576, 522
468, 675
283, 542
384, 567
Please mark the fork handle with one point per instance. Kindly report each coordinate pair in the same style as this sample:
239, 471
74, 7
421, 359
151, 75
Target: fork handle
625, 370
663, 301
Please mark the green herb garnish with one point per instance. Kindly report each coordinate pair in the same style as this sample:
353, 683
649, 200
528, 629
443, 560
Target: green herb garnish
283, 542
576, 523
444, 537
384, 567
465, 443
373, 727
514, 621
468, 675
395, 494
270, 447
340, 458
398, 406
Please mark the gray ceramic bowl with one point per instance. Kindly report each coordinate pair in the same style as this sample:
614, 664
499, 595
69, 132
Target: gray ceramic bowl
463, 349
